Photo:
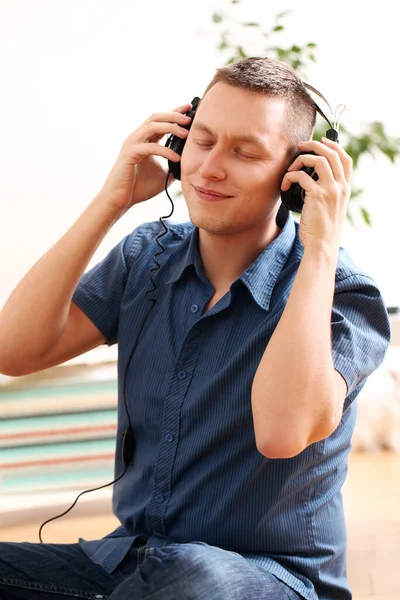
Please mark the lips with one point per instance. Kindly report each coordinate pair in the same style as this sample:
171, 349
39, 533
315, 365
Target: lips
205, 193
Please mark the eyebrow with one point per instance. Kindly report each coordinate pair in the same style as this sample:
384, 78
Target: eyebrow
251, 138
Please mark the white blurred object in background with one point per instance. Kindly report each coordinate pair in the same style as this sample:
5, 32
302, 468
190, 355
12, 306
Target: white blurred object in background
378, 420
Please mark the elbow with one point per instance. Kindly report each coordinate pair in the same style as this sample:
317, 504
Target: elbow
285, 441
280, 450
278, 447
15, 366
6, 368
15, 362
11, 362
11, 370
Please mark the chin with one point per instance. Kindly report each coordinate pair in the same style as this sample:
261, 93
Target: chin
206, 223
203, 217
214, 225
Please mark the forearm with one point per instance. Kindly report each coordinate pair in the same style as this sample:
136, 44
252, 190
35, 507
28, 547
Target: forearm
36, 312
294, 387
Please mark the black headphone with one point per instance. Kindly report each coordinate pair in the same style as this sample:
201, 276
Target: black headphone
293, 198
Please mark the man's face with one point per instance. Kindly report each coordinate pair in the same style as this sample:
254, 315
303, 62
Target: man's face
235, 147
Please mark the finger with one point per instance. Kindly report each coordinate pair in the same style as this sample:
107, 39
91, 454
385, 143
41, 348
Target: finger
318, 163
183, 108
154, 132
307, 183
346, 160
337, 156
331, 156
169, 117
141, 151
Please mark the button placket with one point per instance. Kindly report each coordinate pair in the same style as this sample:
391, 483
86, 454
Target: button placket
179, 383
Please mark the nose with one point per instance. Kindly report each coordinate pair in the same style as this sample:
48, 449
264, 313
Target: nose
212, 166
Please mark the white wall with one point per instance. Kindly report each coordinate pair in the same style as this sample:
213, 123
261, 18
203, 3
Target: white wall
78, 76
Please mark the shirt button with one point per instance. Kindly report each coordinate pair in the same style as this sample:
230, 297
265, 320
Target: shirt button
181, 374
194, 308
169, 437
160, 498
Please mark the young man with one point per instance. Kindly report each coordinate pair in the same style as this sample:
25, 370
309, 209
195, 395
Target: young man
242, 388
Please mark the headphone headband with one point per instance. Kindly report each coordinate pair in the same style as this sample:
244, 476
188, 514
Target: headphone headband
315, 91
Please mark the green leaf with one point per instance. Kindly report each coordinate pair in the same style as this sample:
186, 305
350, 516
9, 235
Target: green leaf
311, 45
391, 153
235, 1
366, 215
278, 28
355, 193
281, 53
217, 18
251, 24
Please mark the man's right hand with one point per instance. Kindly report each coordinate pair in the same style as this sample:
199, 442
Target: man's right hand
39, 325
136, 175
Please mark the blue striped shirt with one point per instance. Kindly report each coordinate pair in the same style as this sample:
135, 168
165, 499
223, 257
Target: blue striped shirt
196, 474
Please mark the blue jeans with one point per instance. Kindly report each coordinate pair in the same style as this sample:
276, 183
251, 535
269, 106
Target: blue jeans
194, 571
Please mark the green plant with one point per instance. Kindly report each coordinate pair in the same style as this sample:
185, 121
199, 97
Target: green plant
372, 140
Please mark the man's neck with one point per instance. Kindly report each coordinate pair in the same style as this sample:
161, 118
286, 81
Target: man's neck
226, 257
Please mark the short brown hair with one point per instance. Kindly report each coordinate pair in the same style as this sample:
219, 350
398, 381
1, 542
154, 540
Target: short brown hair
276, 79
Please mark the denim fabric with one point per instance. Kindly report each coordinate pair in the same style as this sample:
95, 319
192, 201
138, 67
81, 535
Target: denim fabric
56, 572
194, 571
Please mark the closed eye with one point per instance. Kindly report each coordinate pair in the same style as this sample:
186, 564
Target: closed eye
204, 144
244, 155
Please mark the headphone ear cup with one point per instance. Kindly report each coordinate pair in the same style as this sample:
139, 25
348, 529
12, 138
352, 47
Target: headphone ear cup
177, 144
293, 198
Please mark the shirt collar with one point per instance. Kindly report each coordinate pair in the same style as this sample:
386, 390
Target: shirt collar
260, 277
187, 255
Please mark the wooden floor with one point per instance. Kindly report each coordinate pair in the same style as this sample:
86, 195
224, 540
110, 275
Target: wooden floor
372, 502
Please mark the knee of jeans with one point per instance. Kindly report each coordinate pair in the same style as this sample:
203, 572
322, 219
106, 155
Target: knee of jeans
197, 563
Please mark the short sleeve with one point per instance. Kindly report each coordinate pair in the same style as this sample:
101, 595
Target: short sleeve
100, 291
360, 329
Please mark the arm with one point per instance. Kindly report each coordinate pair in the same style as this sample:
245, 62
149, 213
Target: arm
36, 314
40, 326
297, 396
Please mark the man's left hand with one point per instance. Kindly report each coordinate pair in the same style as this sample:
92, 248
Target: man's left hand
325, 200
